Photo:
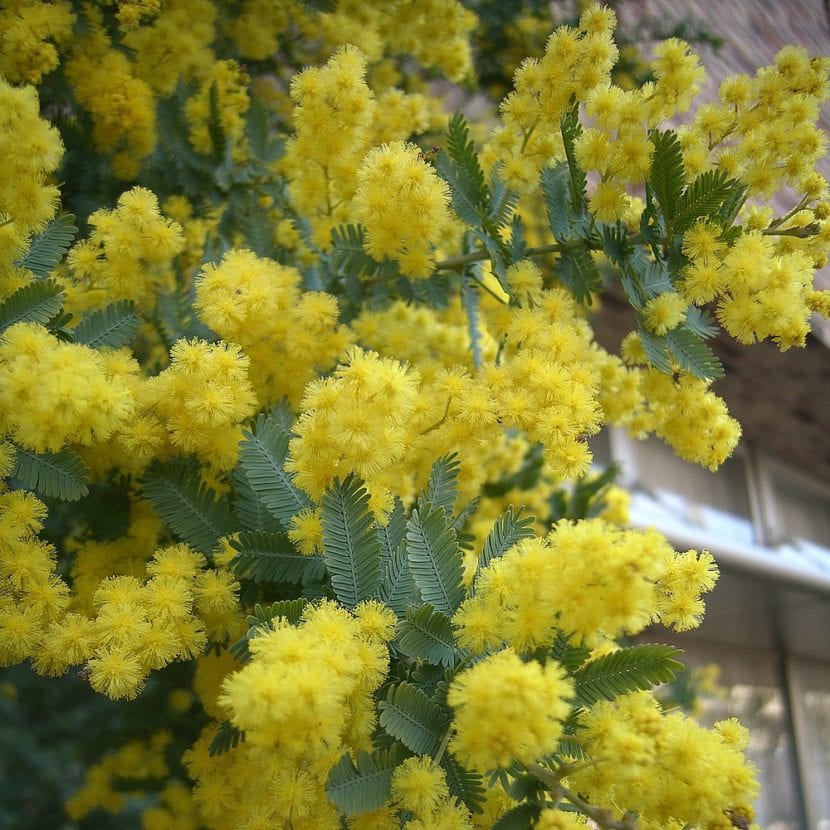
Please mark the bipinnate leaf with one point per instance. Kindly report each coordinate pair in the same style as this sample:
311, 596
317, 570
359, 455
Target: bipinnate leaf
398, 589
578, 184
460, 168
435, 559
555, 181
47, 248
392, 533
655, 279
510, 527
666, 177
465, 785
262, 455
227, 737
522, 817
351, 545
364, 786
442, 489
692, 355
700, 322
249, 508
35, 302
194, 512
656, 349
272, 557
705, 196
61, 475
569, 655
349, 255
626, 670
579, 273
427, 634
412, 717
113, 326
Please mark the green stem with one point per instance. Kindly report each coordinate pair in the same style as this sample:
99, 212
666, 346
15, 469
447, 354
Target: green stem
603, 818
776, 223
799, 233
443, 747
480, 283
442, 421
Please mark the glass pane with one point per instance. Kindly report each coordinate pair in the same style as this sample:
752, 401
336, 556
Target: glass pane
676, 494
801, 511
812, 701
750, 692
761, 710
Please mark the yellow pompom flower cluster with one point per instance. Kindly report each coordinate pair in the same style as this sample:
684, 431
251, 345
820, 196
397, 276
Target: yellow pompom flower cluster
132, 13
428, 338
405, 115
535, 589
419, 786
576, 62
54, 392
356, 421
617, 144
665, 767
288, 334
123, 107
31, 150
32, 595
127, 256
391, 176
304, 698
665, 312
202, 398
333, 115
763, 129
227, 81
175, 46
136, 760
506, 709
761, 291
32, 34
547, 383
257, 26
96, 559
140, 625
689, 417
434, 32
308, 689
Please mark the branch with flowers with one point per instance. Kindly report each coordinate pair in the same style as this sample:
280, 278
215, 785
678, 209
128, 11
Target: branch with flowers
298, 380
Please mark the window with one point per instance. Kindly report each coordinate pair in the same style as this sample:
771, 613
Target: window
810, 685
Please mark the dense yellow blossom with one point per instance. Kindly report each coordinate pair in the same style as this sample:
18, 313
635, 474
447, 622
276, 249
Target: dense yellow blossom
669, 768
202, 398
128, 254
333, 113
175, 45
475, 340
32, 36
506, 709
289, 335
435, 32
524, 598
122, 105
32, 150
79, 397
389, 176
222, 94
356, 421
